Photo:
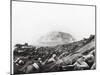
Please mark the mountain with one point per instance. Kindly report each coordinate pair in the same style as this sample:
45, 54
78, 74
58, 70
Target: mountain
55, 38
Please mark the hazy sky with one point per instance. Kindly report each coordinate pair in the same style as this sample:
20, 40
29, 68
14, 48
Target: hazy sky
30, 21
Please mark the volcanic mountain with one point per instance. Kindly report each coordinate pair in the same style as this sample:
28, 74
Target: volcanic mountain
56, 38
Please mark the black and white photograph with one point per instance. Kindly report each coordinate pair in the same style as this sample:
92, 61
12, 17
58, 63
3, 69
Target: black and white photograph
52, 37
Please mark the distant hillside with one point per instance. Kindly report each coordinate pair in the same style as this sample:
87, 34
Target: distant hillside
55, 38
74, 47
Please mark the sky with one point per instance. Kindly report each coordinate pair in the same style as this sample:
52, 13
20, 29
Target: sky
30, 21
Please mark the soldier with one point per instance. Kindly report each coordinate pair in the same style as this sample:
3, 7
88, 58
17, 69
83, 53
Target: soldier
19, 62
52, 59
80, 64
41, 62
31, 66
90, 59
85, 62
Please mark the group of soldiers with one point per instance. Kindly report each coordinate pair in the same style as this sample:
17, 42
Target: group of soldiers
30, 65
85, 62
27, 65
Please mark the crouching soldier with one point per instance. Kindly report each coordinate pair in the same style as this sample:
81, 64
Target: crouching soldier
32, 66
18, 63
80, 64
85, 62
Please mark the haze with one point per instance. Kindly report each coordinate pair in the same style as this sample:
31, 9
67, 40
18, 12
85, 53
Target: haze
30, 21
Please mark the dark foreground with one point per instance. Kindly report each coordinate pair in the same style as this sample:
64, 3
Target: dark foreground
78, 55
